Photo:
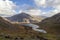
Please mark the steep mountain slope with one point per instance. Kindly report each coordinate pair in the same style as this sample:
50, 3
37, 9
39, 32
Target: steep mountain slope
6, 26
24, 16
52, 24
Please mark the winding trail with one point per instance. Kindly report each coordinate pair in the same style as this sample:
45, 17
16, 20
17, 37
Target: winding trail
35, 27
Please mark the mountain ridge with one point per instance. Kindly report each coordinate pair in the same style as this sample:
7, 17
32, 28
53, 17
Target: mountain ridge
24, 16
17, 31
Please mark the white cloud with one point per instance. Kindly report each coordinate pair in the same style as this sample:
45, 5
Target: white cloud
29, 10
33, 11
7, 7
24, 7
46, 3
40, 2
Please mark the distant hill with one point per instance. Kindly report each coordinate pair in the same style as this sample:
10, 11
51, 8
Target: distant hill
52, 24
24, 16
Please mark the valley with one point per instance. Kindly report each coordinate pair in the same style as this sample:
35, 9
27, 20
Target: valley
47, 29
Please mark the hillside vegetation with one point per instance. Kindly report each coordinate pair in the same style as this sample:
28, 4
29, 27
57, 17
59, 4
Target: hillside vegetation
10, 31
52, 26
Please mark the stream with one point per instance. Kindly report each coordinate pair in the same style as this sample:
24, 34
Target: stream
35, 27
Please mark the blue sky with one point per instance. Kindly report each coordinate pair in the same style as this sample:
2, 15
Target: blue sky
21, 2
32, 4
43, 7
47, 7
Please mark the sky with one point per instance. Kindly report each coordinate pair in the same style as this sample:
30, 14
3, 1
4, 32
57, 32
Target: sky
33, 7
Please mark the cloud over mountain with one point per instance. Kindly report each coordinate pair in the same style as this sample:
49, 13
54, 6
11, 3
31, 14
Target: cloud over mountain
49, 3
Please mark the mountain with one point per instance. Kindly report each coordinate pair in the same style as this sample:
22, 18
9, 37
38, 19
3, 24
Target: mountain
16, 31
51, 24
22, 17
9, 31
7, 27
19, 17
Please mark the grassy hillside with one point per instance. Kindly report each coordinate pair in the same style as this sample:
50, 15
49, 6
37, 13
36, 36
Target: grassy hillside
52, 26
